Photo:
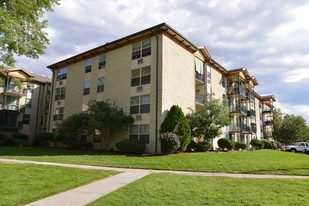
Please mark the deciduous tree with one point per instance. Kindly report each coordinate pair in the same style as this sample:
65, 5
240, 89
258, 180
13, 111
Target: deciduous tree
22, 25
206, 122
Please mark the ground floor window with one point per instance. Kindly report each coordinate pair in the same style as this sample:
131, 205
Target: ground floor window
139, 132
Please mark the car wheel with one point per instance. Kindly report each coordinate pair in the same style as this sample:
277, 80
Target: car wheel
293, 150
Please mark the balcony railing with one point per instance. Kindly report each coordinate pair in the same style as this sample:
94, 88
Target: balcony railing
250, 97
199, 76
14, 91
241, 109
269, 122
12, 107
200, 99
251, 113
267, 110
236, 90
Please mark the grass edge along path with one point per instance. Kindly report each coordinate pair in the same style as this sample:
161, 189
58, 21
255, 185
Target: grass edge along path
24, 183
249, 162
170, 189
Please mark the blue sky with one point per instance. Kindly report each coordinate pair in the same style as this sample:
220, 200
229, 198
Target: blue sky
270, 38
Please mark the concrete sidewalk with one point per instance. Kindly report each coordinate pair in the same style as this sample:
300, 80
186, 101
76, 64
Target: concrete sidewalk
88, 193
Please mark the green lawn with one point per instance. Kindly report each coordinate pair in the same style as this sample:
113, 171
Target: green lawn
254, 162
168, 189
25, 183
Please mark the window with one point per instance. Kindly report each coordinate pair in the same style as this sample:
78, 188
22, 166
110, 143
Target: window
62, 74
139, 132
58, 114
144, 133
140, 104
88, 65
60, 93
141, 49
100, 84
140, 76
86, 87
26, 119
102, 61
223, 81
28, 103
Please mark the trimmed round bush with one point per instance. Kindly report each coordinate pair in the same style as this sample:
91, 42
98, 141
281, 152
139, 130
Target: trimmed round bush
257, 144
9, 141
42, 138
20, 136
269, 144
240, 145
203, 146
191, 146
170, 143
130, 146
225, 143
2, 138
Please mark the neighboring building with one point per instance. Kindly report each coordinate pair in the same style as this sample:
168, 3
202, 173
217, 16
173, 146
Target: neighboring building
145, 74
24, 102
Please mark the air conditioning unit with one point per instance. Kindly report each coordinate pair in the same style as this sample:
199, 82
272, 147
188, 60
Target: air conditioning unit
138, 117
139, 88
60, 82
140, 61
59, 102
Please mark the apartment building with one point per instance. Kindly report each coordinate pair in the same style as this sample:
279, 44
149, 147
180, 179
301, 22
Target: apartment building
145, 74
24, 102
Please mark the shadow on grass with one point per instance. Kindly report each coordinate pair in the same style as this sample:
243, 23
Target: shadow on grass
48, 151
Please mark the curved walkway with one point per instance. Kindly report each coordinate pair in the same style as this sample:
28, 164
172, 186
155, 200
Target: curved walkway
88, 193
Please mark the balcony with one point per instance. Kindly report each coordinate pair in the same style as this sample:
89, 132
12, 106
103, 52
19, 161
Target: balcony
14, 92
269, 122
236, 90
268, 110
200, 99
250, 97
237, 110
199, 77
11, 107
234, 128
251, 113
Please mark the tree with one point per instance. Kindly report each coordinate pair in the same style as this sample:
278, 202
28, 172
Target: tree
73, 127
293, 129
206, 122
277, 117
177, 123
105, 120
22, 25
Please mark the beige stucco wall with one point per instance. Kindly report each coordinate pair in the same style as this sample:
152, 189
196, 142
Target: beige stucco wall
258, 111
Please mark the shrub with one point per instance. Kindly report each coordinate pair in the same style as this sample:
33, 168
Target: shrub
9, 141
269, 144
240, 145
225, 143
191, 146
43, 138
20, 136
78, 144
130, 146
2, 138
177, 123
203, 146
170, 143
257, 144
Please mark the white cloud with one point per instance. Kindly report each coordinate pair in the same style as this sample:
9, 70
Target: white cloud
301, 110
296, 75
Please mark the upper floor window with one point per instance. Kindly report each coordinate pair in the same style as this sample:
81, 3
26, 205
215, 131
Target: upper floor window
140, 76
140, 104
100, 84
60, 93
102, 61
223, 80
141, 49
88, 65
62, 74
26, 119
58, 114
86, 87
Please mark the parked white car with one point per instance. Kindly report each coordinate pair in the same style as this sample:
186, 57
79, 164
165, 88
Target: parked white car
297, 147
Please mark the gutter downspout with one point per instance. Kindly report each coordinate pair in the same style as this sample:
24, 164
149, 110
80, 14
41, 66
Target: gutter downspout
51, 100
37, 110
157, 90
